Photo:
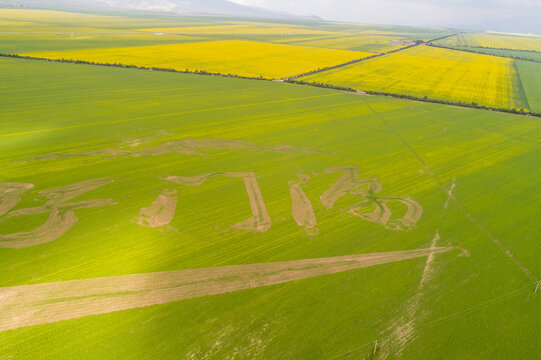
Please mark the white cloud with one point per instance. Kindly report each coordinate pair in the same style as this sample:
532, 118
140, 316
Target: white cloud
408, 12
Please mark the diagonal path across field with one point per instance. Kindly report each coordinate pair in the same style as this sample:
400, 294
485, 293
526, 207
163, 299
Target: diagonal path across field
29, 305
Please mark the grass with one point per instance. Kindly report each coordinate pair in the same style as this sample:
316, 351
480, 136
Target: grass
530, 76
245, 58
435, 73
476, 306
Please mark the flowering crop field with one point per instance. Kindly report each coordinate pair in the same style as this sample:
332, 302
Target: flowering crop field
165, 215
368, 43
236, 27
436, 73
496, 41
245, 58
219, 218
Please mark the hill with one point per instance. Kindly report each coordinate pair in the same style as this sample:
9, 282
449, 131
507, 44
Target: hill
209, 7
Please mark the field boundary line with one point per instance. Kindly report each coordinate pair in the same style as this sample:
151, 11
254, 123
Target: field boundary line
417, 43
480, 53
508, 137
469, 215
493, 48
414, 98
519, 79
287, 80
161, 33
328, 68
130, 66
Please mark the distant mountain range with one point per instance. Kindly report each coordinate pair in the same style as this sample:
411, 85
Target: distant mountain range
209, 7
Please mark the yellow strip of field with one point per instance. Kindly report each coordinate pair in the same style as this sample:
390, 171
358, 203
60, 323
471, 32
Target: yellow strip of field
435, 73
238, 28
515, 42
368, 43
245, 58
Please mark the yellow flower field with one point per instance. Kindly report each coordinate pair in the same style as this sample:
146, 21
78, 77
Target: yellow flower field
497, 41
368, 43
245, 58
436, 73
236, 28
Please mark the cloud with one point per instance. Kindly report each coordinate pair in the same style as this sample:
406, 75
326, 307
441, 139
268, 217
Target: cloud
458, 13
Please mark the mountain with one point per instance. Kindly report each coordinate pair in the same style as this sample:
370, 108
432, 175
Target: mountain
526, 24
55, 4
209, 7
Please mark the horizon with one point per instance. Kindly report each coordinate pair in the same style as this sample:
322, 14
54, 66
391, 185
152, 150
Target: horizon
505, 16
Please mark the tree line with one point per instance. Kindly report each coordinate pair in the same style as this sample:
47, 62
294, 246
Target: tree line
128, 66
473, 105
290, 80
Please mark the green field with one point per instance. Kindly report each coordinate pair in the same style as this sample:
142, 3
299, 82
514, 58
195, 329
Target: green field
496, 41
530, 75
516, 54
475, 174
78, 31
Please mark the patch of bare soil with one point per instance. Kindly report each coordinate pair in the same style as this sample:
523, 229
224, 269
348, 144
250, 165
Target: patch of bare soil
301, 206
402, 331
61, 214
9, 195
29, 305
450, 195
348, 183
161, 211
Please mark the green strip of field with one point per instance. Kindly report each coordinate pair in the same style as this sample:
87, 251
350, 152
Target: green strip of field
475, 303
530, 76
17, 44
517, 54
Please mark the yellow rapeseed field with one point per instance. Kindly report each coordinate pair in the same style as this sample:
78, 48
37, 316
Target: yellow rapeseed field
436, 73
368, 43
245, 58
235, 28
497, 41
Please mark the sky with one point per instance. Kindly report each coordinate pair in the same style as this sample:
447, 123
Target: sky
498, 15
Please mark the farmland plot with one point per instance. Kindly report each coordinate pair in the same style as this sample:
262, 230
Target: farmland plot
435, 73
496, 41
245, 58
320, 221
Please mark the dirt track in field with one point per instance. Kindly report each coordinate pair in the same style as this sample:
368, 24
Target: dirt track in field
402, 331
349, 183
61, 213
30, 305
188, 147
301, 206
9, 195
